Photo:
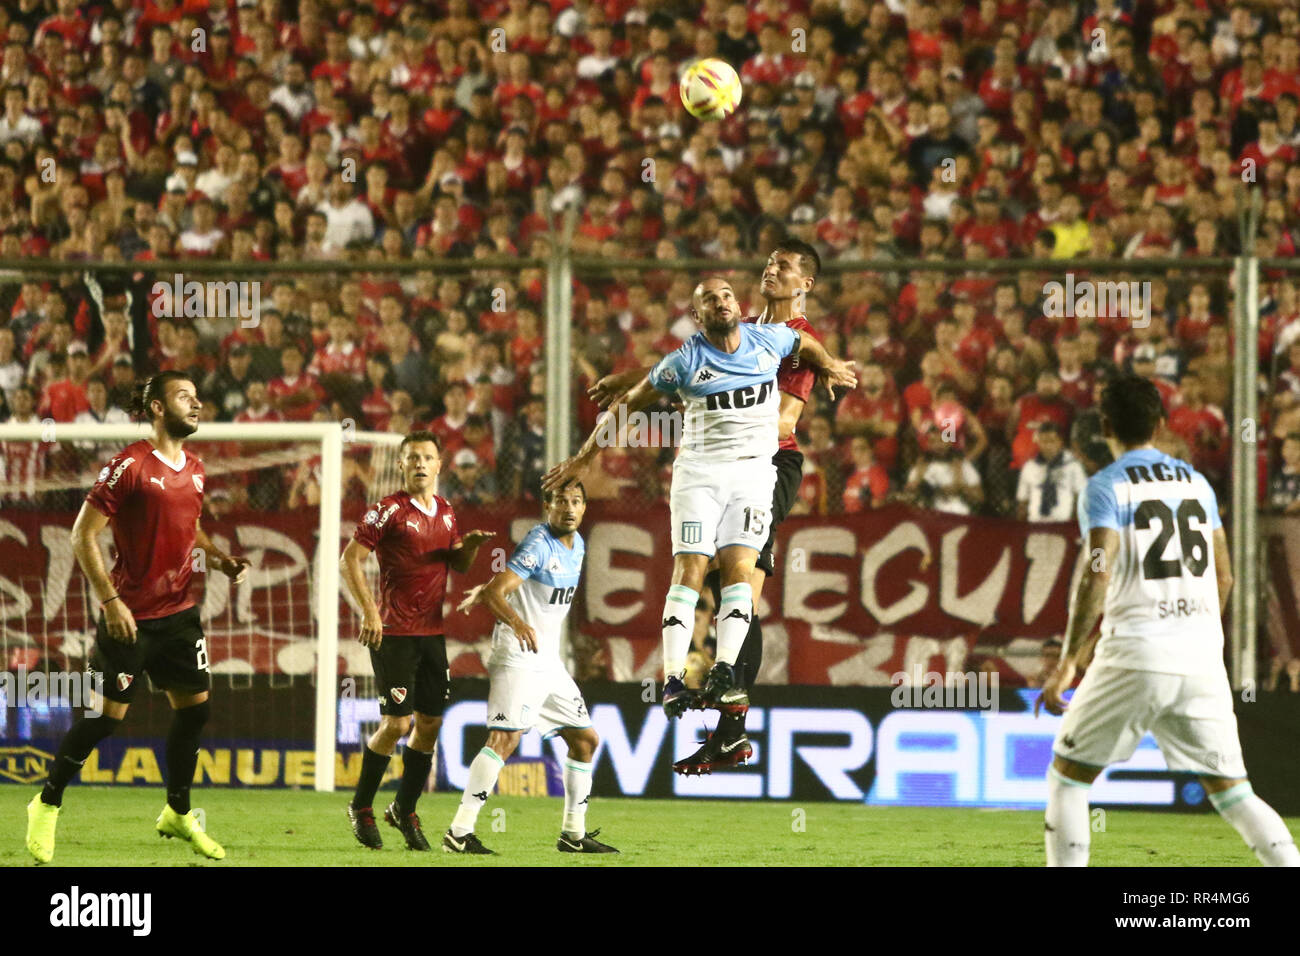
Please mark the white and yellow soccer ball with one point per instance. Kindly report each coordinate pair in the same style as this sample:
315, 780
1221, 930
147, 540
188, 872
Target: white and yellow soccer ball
710, 89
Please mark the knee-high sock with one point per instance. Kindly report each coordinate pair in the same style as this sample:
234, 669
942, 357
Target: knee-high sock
85, 735
735, 614
373, 765
1068, 836
678, 625
483, 773
415, 774
751, 654
1259, 825
183, 753
577, 790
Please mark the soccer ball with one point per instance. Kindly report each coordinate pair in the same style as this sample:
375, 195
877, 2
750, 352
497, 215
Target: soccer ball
710, 89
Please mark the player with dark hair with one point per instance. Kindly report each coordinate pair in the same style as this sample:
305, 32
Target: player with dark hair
1159, 569
414, 534
152, 495
530, 686
787, 281
723, 478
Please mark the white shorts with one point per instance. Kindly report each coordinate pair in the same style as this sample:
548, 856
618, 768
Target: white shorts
1190, 717
718, 505
522, 699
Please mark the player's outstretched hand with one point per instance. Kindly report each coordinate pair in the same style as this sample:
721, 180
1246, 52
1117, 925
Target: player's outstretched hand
471, 598
372, 630
1053, 695
236, 569
611, 387
571, 469
842, 373
527, 638
119, 621
473, 539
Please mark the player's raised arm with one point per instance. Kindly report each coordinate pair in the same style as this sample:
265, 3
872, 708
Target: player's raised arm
615, 384
839, 372
1085, 611
493, 595
642, 396
465, 551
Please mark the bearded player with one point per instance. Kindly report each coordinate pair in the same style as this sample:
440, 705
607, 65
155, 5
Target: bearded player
414, 535
723, 477
530, 687
152, 496
787, 281
1160, 573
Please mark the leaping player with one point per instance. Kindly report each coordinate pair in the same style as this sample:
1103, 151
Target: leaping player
723, 477
1160, 570
787, 281
529, 685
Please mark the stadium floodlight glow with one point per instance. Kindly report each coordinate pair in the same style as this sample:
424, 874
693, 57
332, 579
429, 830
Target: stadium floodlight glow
330, 438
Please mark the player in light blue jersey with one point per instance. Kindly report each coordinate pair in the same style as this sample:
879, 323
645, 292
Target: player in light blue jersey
721, 498
529, 684
1156, 563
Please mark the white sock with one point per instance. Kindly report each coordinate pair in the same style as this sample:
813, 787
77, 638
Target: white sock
483, 773
734, 615
577, 788
1068, 835
678, 626
1259, 825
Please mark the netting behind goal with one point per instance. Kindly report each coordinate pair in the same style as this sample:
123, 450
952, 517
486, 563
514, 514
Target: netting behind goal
263, 500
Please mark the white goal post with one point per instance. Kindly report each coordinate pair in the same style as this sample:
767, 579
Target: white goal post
330, 437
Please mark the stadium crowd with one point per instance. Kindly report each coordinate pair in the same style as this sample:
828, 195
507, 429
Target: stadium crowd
389, 131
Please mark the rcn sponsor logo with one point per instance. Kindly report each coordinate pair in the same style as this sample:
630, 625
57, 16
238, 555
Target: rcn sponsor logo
76, 909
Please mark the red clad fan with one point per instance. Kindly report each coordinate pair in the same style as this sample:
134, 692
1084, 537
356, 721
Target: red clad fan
414, 535
152, 496
787, 281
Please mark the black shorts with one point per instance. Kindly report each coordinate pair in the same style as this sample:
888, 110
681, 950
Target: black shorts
171, 650
789, 473
412, 675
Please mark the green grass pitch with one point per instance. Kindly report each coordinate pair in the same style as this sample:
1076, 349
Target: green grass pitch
105, 826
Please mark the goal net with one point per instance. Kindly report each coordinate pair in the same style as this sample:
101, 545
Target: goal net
284, 495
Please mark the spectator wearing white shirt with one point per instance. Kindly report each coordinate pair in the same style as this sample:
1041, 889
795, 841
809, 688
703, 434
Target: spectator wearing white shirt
214, 182
1050, 482
100, 411
15, 124
293, 95
347, 219
945, 482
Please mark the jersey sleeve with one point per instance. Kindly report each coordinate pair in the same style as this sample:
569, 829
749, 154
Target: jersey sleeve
454, 529
1099, 509
372, 528
529, 556
116, 481
779, 336
670, 373
1213, 501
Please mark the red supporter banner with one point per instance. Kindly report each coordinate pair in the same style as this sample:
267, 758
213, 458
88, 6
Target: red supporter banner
855, 598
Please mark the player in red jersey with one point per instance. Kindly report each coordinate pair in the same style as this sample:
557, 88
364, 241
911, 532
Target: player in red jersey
414, 535
152, 496
788, 278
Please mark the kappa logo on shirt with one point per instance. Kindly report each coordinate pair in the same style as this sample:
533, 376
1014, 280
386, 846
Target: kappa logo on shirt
554, 566
704, 375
